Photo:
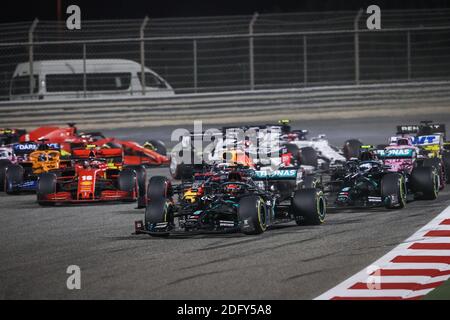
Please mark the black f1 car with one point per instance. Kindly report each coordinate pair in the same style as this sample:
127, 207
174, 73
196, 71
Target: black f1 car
369, 183
232, 198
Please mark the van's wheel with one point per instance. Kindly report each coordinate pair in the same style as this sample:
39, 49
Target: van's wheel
127, 181
308, 157
159, 188
436, 163
252, 214
141, 176
156, 145
4, 163
425, 182
13, 176
159, 217
46, 185
308, 206
294, 150
393, 186
352, 148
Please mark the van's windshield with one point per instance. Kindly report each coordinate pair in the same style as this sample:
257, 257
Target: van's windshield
21, 85
152, 80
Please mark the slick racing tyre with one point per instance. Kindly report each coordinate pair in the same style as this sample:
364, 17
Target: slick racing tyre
4, 163
352, 148
159, 188
252, 214
46, 185
308, 157
158, 217
425, 183
127, 180
446, 160
13, 176
308, 206
156, 145
141, 176
436, 163
393, 188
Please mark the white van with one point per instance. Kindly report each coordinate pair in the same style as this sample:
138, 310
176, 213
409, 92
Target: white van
65, 79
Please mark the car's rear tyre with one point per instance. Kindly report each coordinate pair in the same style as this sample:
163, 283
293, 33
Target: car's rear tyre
352, 148
308, 206
393, 186
252, 214
127, 180
425, 183
308, 157
46, 185
159, 188
158, 146
4, 163
158, 217
446, 161
436, 163
13, 176
141, 177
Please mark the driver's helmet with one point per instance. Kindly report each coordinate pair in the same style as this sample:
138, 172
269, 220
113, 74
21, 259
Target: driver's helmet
403, 142
368, 155
95, 164
86, 164
148, 145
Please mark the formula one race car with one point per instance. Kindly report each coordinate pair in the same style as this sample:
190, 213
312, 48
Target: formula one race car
30, 160
96, 175
151, 153
402, 155
430, 138
230, 199
369, 182
316, 151
254, 147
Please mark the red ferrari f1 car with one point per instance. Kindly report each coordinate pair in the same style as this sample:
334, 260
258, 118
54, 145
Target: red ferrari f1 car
96, 175
152, 153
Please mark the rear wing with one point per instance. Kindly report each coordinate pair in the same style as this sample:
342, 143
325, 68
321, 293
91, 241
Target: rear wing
24, 148
115, 153
425, 128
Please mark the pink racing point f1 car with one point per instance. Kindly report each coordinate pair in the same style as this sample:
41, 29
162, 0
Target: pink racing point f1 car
96, 176
420, 177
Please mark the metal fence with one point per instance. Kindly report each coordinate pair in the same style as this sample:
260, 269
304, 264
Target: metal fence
239, 52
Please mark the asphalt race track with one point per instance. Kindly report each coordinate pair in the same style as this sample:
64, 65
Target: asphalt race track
289, 262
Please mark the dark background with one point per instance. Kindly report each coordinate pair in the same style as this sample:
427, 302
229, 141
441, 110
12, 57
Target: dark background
16, 10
